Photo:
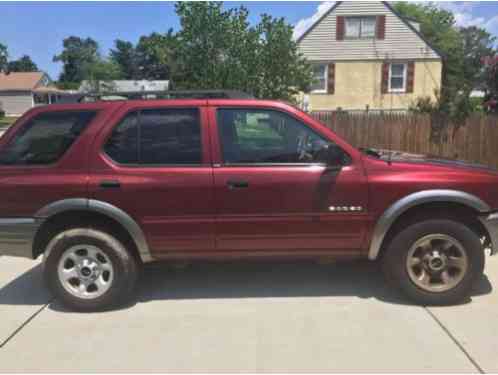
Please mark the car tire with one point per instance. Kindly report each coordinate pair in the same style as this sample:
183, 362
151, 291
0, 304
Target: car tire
89, 270
434, 262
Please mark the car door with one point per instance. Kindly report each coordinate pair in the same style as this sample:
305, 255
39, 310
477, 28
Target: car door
273, 190
153, 163
43, 158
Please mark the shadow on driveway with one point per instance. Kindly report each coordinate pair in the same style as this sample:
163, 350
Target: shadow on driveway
161, 281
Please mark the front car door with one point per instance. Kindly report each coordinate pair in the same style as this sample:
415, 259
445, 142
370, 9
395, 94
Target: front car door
153, 162
274, 193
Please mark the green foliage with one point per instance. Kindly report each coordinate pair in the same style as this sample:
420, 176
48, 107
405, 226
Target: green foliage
218, 49
462, 50
423, 104
125, 57
24, 64
151, 59
76, 55
477, 45
67, 85
99, 73
213, 46
154, 56
284, 72
438, 27
491, 83
4, 55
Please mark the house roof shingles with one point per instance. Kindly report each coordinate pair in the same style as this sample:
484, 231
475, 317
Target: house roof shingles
17, 81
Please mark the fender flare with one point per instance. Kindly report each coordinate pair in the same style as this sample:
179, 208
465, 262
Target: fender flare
388, 218
103, 208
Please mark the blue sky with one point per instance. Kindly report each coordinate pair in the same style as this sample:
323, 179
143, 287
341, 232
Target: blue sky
38, 28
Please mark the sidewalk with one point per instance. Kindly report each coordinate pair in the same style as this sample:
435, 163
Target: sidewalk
248, 317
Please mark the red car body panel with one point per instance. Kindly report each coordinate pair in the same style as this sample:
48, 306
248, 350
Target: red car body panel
187, 211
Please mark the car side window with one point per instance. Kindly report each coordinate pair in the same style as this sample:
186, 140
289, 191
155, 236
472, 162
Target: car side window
45, 138
157, 137
265, 136
122, 146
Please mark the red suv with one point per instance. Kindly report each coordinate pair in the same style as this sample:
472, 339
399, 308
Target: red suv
101, 188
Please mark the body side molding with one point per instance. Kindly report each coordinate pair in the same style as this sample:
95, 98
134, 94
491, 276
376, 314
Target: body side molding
397, 208
106, 209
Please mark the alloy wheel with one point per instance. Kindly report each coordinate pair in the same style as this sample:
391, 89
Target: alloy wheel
85, 271
437, 263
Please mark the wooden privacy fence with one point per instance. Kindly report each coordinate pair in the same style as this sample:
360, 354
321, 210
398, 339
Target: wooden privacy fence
475, 141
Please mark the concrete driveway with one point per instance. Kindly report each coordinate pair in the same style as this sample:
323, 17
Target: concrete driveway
248, 317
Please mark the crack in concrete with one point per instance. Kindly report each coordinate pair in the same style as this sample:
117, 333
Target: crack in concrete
455, 340
19, 329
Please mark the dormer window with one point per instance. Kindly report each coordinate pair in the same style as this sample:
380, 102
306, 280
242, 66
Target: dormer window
360, 27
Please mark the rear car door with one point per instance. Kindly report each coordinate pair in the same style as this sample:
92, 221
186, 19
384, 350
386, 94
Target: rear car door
273, 191
43, 159
153, 162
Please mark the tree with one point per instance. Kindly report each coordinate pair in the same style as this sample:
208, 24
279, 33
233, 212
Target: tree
24, 64
99, 74
218, 49
154, 56
284, 72
477, 45
4, 55
76, 55
491, 83
437, 25
124, 55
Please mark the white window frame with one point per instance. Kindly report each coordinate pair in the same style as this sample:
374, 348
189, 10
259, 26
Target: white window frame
326, 72
360, 36
405, 75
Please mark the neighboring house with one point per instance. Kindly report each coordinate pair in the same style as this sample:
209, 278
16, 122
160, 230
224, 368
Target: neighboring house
366, 56
22, 91
123, 86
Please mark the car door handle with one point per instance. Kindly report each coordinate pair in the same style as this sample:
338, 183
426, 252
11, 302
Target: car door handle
110, 184
237, 184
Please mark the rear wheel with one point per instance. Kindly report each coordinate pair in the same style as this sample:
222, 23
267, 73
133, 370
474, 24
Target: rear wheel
89, 269
434, 262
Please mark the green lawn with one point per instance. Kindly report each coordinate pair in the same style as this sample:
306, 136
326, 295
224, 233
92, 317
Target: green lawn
7, 121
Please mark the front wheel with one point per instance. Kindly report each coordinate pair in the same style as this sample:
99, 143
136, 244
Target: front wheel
89, 269
434, 262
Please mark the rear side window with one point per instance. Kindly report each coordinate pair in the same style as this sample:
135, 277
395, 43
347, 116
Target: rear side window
157, 137
45, 138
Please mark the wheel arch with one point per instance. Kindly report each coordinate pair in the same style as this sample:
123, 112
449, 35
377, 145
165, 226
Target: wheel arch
74, 208
419, 199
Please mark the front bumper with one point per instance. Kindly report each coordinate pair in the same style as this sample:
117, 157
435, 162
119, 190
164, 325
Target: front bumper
17, 236
490, 222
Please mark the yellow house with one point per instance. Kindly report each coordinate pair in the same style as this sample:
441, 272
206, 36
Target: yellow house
366, 56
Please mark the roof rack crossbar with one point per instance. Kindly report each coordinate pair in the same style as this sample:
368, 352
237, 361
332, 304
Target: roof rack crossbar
152, 95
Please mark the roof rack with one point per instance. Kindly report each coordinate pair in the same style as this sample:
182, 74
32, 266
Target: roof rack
152, 95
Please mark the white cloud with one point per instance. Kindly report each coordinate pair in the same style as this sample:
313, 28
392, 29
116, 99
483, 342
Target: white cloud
303, 25
462, 10
491, 25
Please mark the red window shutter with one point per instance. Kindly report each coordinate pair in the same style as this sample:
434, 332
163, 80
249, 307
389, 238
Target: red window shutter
410, 76
380, 31
384, 79
339, 28
331, 79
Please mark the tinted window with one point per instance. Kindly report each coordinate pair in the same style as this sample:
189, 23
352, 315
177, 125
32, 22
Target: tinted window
157, 136
265, 136
123, 144
45, 138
